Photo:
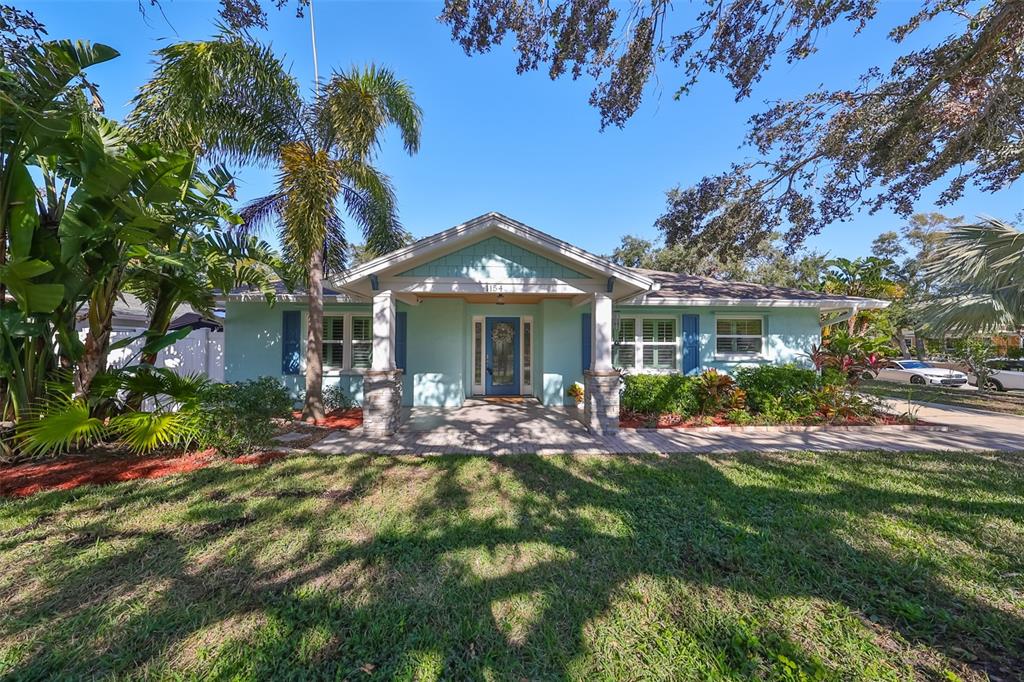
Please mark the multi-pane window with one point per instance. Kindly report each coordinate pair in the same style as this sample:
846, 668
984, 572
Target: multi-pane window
648, 343
659, 344
348, 342
624, 345
362, 342
739, 335
334, 342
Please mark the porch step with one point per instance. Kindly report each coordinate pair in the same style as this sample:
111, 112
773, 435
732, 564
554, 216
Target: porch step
509, 399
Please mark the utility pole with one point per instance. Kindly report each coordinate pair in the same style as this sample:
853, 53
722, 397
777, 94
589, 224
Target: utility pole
316, 67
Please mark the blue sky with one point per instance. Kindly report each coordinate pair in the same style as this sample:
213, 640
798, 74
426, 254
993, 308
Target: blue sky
520, 144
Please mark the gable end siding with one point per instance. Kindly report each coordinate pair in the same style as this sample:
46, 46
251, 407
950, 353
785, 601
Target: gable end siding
494, 258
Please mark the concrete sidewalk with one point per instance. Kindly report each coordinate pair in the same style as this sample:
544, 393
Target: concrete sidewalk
482, 428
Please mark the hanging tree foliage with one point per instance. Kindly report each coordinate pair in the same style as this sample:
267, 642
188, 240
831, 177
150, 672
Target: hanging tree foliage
947, 114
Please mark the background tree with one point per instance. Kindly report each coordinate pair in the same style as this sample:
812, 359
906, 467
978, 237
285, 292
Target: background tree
946, 113
909, 250
866, 278
233, 98
770, 265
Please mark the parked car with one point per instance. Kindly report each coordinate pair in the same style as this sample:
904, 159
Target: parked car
918, 372
1008, 376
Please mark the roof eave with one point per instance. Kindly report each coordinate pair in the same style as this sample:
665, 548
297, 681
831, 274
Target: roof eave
823, 304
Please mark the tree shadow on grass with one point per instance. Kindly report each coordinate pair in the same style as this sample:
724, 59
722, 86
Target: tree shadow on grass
516, 567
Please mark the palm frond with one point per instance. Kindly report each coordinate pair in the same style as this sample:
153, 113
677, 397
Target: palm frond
310, 181
359, 104
260, 215
989, 253
370, 200
57, 425
980, 272
147, 431
229, 98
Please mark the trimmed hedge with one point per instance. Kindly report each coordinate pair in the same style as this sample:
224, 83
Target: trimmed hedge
782, 390
660, 394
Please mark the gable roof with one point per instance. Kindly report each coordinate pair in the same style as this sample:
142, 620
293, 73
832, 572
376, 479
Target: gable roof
681, 289
479, 228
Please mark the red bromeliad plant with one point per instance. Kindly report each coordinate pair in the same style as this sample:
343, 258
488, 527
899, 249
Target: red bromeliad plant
855, 357
717, 392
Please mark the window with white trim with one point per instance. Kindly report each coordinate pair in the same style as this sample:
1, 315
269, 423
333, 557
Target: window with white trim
334, 342
739, 336
624, 345
659, 343
347, 342
362, 342
647, 343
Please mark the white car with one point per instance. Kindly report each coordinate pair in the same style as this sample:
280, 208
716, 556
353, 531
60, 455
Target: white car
917, 372
1008, 376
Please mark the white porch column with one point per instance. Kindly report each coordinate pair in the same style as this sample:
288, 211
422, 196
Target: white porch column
384, 331
601, 334
382, 384
601, 381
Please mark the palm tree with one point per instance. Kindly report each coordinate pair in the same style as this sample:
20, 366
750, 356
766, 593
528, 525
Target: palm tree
865, 277
232, 99
980, 270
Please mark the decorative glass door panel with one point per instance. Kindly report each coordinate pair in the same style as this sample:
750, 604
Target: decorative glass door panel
502, 356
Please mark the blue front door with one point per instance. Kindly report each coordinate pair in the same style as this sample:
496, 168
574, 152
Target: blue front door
502, 360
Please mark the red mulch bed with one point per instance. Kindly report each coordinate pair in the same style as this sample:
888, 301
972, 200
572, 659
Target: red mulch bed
66, 473
674, 421
339, 419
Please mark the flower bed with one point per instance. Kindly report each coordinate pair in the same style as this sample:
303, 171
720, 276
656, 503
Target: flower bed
342, 418
636, 420
22, 480
762, 396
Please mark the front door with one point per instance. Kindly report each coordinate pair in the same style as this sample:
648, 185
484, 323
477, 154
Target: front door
502, 361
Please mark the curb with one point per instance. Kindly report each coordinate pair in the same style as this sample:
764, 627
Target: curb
796, 428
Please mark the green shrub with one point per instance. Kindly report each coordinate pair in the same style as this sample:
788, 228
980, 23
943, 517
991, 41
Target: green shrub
237, 417
336, 398
717, 392
660, 394
836, 404
740, 417
783, 391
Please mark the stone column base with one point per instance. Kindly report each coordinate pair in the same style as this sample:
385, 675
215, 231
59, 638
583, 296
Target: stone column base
382, 402
601, 402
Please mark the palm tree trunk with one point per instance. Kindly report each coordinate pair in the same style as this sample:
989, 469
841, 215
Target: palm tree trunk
97, 340
314, 405
163, 310
902, 343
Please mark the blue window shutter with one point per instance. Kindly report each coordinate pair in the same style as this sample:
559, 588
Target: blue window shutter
691, 343
586, 341
290, 341
401, 330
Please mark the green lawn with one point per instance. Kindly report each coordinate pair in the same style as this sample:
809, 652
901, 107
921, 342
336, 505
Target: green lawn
790, 566
1009, 403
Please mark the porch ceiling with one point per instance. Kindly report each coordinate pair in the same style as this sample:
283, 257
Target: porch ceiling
527, 299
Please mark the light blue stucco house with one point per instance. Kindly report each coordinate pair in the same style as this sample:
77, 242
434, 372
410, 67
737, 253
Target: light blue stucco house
493, 307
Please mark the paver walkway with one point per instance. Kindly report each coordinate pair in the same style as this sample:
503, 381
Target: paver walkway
484, 428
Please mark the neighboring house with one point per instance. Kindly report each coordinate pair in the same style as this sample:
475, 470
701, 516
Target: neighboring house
493, 307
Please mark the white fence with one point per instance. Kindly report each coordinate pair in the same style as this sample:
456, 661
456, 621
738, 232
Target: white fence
202, 352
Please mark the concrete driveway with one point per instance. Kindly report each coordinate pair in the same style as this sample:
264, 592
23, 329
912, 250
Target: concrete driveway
484, 428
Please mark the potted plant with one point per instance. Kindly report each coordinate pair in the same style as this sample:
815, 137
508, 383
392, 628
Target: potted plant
576, 392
